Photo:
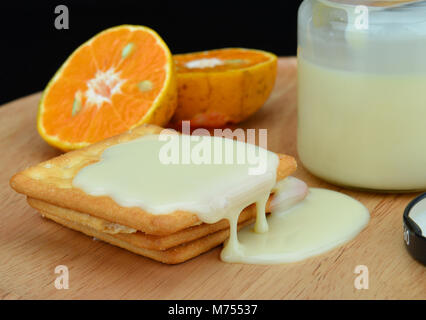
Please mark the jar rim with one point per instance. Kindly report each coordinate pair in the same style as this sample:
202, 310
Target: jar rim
379, 4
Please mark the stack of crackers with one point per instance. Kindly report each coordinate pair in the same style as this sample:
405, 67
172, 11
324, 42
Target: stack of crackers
169, 238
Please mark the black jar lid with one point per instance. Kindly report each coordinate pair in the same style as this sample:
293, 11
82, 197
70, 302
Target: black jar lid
415, 241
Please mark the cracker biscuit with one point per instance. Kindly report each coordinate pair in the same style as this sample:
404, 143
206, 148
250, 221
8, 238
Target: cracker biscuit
51, 181
138, 238
80, 218
173, 255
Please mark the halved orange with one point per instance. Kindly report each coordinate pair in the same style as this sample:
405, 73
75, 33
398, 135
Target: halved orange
119, 79
224, 86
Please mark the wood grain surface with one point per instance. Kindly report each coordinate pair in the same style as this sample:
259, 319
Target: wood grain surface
31, 247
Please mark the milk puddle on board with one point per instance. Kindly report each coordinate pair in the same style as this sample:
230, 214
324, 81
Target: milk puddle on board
322, 221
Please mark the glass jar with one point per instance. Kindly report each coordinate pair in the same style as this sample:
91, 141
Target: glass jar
362, 93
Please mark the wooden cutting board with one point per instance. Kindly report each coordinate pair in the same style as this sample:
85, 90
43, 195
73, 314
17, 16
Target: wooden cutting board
31, 247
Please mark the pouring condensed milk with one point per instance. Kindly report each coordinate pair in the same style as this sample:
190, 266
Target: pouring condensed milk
361, 93
303, 222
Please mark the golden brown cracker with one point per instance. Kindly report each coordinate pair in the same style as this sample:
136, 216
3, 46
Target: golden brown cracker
51, 181
140, 239
173, 255
80, 218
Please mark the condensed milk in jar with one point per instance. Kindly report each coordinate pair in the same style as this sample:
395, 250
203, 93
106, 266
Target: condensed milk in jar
362, 93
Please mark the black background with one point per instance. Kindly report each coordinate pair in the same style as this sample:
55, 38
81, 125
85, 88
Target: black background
32, 49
